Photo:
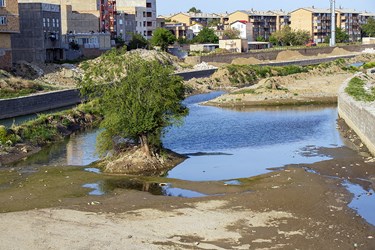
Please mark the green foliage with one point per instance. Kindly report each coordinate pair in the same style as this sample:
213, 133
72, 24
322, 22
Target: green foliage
242, 75
137, 42
194, 10
260, 39
15, 87
137, 105
119, 41
369, 65
341, 36
163, 38
369, 27
356, 89
206, 35
231, 34
289, 37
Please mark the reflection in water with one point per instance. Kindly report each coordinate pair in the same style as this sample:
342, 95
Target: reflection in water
78, 150
163, 189
248, 142
363, 201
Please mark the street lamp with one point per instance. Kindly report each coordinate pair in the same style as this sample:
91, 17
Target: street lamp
332, 41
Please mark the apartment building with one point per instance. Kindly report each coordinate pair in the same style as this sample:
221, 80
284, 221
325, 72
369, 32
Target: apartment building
314, 20
192, 18
264, 23
318, 22
125, 25
349, 21
145, 15
9, 24
77, 16
282, 18
40, 38
364, 16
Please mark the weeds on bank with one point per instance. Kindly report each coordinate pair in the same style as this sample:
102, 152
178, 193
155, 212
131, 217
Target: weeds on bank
48, 128
356, 89
250, 74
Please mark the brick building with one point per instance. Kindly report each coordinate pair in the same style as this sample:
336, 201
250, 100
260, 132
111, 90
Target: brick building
9, 24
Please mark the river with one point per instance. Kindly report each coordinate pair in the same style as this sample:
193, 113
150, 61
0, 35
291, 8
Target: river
226, 144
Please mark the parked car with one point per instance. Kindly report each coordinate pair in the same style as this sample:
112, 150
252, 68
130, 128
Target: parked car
311, 44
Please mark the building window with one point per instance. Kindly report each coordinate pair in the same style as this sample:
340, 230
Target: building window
120, 21
149, 5
2, 3
53, 22
3, 20
47, 22
44, 22
57, 23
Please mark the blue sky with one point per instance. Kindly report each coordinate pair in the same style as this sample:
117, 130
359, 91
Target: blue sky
166, 7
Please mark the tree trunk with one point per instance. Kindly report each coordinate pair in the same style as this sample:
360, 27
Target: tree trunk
145, 145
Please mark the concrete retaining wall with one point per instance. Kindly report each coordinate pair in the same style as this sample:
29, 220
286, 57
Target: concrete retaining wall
38, 103
360, 116
272, 55
196, 74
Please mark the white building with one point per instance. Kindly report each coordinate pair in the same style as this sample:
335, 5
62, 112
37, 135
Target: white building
196, 28
145, 14
245, 29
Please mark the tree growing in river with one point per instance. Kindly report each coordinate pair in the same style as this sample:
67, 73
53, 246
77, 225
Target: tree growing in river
139, 98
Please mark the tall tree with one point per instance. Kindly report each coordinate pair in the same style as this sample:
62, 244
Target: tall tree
206, 35
369, 27
138, 97
194, 10
341, 36
162, 37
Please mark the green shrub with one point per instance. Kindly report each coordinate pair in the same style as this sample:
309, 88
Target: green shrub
369, 65
356, 90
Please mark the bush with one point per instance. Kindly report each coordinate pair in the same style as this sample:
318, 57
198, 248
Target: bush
369, 65
356, 90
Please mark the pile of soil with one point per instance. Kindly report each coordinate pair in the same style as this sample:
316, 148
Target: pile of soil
244, 61
134, 162
338, 52
289, 55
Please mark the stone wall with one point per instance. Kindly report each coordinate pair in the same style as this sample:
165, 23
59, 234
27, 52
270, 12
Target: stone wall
38, 103
360, 116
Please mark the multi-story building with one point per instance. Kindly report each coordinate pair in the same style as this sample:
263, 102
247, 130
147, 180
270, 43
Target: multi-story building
145, 14
364, 16
314, 20
282, 18
318, 22
264, 23
9, 24
192, 18
39, 39
245, 29
125, 25
77, 16
349, 21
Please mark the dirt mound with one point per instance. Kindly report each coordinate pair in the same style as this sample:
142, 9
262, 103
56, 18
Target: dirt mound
134, 161
339, 52
244, 61
27, 70
289, 55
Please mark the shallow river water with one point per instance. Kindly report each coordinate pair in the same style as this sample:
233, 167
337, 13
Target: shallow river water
226, 144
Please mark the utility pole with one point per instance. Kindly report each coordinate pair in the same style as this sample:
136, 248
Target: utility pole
332, 41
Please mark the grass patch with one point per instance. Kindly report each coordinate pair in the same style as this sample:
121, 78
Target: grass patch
369, 65
357, 91
48, 128
247, 75
244, 91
